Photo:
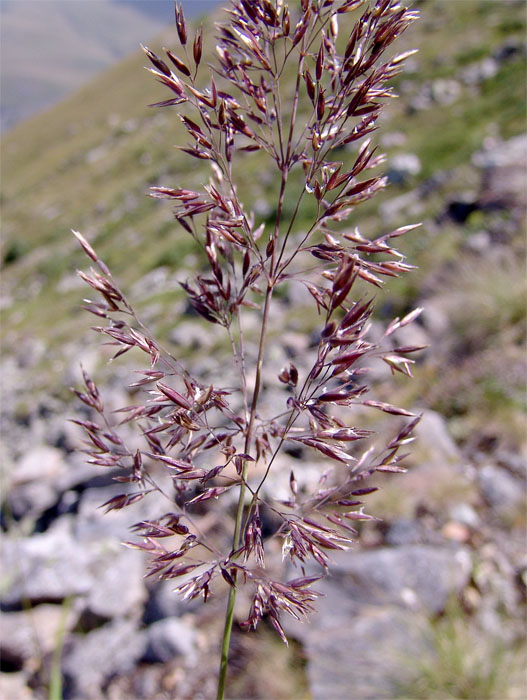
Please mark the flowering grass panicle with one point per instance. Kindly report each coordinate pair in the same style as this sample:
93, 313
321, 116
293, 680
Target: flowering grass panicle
214, 440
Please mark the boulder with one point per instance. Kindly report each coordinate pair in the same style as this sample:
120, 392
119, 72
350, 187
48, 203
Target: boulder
95, 657
120, 590
31, 634
55, 565
419, 577
46, 567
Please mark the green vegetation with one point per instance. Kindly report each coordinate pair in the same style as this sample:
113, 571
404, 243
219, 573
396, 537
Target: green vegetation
104, 147
464, 663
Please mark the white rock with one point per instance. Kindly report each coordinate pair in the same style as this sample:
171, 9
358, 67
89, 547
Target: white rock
41, 463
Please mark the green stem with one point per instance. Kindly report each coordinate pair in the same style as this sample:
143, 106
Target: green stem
55, 684
229, 616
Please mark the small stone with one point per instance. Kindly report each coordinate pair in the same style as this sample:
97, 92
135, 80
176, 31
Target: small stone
479, 242
163, 602
477, 72
31, 499
408, 204
169, 638
393, 139
359, 654
402, 167
501, 490
433, 437
192, 335
455, 531
445, 91
50, 566
513, 462
435, 319
465, 514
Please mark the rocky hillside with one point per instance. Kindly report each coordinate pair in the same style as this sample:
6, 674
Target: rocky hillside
427, 606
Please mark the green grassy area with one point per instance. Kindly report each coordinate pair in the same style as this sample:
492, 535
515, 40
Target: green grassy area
463, 663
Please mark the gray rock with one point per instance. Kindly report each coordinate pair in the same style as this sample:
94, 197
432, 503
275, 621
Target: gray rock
477, 72
408, 204
479, 242
120, 590
169, 638
402, 167
435, 319
382, 644
193, 335
80, 354
503, 165
79, 472
56, 564
433, 436
513, 462
419, 577
95, 657
404, 531
31, 499
295, 344
393, 139
32, 484
367, 655
466, 515
372, 622
163, 602
30, 634
46, 567
499, 488
92, 523
39, 463
445, 91
501, 154
422, 101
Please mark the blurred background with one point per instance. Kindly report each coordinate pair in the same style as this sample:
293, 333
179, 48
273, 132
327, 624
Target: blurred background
431, 603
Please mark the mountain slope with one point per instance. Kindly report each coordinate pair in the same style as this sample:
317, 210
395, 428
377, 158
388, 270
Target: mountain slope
50, 48
87, 164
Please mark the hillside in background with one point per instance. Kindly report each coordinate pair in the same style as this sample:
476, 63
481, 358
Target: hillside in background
453, 527
49, 48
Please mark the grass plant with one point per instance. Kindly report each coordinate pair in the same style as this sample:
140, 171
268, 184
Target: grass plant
218, 442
